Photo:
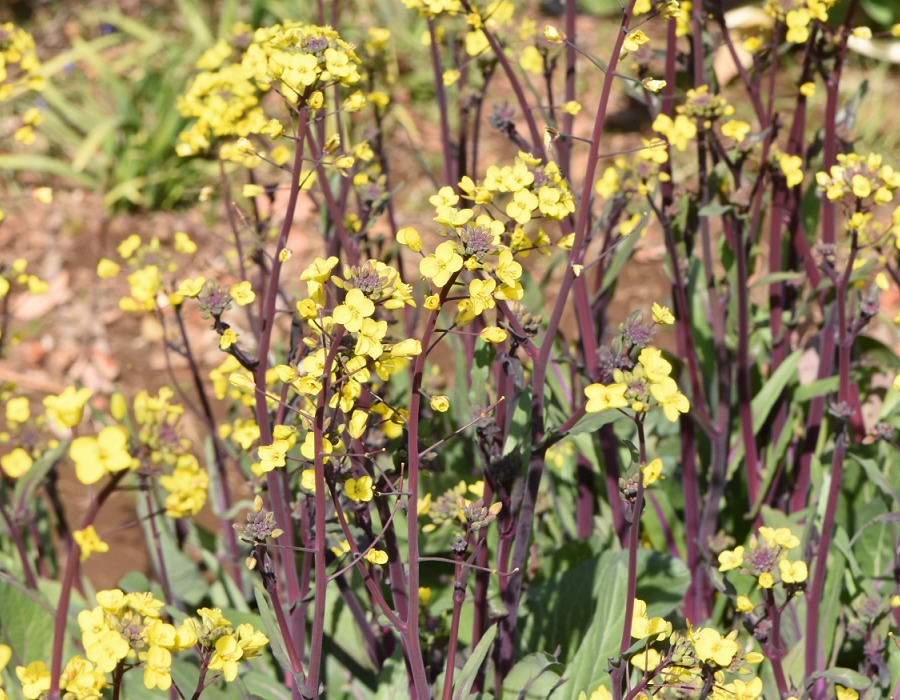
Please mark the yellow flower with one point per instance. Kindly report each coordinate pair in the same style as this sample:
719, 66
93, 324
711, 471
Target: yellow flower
274, 455
713, 647
808, 89
187, 486
67, 408
89, 541
308, 479
191, 287
845, 693
97, 456
635, 40
308, 449
602, 398
355, 308
793, 572
251, 641
493, 334
678, 132
672, 401
242, 293
735, 129
731, 559
410, 238
35, 679
106, 268
105, 649
439, 266
226, 657
653, 85
127, 247
744, 604
360, 489
652, 472
407, 348
44, 195
646, 660
184, 244
532, 60
766, 580
18, 409
16, 464
554, 36
571, 107
861, 186
228, 338
792, 167
377, 556
656, 368
320, 270
157, 668
424, 595
357, 425
661, 315
480, 295
369, 337
441, 404
746, 691
798, 25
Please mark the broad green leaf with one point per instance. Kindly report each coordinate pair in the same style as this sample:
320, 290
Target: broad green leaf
581, 611
532, 678
392, 681
273, 631
35, 162
26, 623
469, 672
592, 422
765, 399
846, 677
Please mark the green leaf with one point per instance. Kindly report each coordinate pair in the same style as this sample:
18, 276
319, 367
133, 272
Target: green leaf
35, 162
776, 277
592, 422
765, 400
581, 611
273, 632
534, 677
810, 210
261, 685
469, 672
26, 623
846, 677
820, 387
715, 209
34, 477
392, 681
87, 151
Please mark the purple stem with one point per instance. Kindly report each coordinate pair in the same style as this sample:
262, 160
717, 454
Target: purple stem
536, 466
68, 581
618, 674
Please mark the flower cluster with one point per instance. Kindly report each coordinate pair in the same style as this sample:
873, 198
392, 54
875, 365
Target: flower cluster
646, 385
20, 72
797, 16
297, 60
864, 179
126, 631
691, 659
767, 558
